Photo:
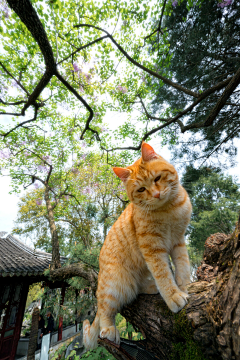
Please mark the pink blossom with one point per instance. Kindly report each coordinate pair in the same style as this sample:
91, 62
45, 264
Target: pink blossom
81, 89
88, 78
121, 187
174, 3
36, 185
47, 158
83, 156
4, 8
87, 190
224, 3
122, 89
5, 154
27, 153
66, 197
42, 168
104, 129
76, 67
39, 201
14, 83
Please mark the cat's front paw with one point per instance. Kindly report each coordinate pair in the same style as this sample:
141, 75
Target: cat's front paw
110, 333
183, 289
177, 301
182, 284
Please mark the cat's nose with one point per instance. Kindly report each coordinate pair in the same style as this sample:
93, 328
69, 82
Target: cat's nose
156, 195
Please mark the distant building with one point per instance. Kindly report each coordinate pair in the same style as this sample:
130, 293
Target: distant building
20, 266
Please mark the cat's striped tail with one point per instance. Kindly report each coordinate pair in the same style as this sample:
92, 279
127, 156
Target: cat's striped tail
90, 333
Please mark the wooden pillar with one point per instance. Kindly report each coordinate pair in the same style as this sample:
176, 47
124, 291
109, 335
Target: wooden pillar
60, 325
24, 294
13, 301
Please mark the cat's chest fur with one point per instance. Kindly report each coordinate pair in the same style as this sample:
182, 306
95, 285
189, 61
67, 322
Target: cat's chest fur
161, 226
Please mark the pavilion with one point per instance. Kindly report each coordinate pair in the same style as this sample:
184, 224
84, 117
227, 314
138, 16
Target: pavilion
20, 266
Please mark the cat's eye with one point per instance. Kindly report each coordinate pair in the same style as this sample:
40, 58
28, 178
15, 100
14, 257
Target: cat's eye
157, 178
141, 189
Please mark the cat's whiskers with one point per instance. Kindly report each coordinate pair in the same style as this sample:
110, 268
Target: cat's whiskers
147, 209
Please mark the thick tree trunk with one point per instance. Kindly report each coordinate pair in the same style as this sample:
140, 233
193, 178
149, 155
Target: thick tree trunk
33, 335
54, 234
209, 325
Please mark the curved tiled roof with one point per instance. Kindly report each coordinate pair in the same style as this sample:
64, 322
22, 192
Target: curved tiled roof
18, 259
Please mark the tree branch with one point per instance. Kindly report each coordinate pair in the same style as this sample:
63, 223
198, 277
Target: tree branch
159, 24
134, 62
70, 88
18, 82
82, 47
13, 103
28, 15
22, 123
223, 99
81, 270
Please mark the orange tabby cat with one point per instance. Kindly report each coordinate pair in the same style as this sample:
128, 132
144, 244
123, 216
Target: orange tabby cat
138, 246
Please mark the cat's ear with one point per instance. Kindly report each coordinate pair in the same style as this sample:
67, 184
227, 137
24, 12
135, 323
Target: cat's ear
122, 173
148, 153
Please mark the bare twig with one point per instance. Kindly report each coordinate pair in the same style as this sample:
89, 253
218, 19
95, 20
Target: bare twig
82, 47
18, 82
223, 141
159, 24
223, 99
12, 103
22, 123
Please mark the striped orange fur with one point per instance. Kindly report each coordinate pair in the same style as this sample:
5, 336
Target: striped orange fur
134, 258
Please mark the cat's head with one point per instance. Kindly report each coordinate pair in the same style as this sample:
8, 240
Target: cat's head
151, 181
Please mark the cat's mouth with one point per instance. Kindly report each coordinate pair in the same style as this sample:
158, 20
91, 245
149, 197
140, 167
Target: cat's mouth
162, 194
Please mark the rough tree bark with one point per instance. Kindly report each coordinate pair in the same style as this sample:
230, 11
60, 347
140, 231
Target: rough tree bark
209, 325
81, 270
33, 335
55, 264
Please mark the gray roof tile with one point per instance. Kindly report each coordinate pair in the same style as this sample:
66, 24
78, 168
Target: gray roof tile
18, 259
